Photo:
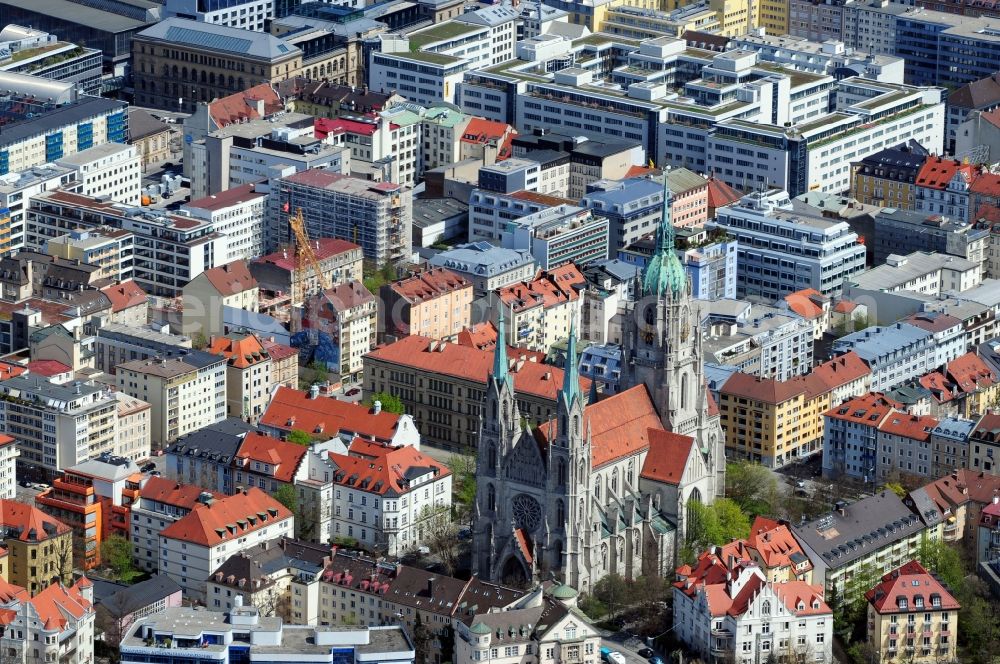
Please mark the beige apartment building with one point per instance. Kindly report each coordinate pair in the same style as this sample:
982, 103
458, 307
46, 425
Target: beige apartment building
248, 374
132, 432
348, 313
436, 303
177, 62
442, 386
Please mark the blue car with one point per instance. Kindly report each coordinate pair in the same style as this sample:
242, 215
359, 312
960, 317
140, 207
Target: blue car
605, 652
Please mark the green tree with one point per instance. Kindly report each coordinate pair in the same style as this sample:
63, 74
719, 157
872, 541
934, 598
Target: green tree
896, 488
286, 496
612, 591
390, 403
944, 561
753, 487
199, 341
463, 468
116, 553
421, 640
593, 607
299, 437
718, 523
979, 630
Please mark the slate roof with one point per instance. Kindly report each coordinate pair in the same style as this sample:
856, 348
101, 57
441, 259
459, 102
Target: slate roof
130, 599
221, 39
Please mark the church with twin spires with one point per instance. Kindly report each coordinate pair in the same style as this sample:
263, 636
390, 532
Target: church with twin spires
604, 487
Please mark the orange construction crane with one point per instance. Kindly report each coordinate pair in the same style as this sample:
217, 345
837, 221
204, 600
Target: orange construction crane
305, 256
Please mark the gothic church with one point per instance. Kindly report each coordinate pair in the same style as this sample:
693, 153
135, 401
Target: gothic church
603, 488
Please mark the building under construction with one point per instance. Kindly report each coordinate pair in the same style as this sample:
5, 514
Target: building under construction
377, 216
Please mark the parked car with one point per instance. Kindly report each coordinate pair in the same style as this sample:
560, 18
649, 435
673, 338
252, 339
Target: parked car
605, 652
351, 392
148, 467
25, 483
616, 658
154, 473
645, 652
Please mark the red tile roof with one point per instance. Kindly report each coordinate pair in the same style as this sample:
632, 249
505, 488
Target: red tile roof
227, 198
27, 523
936, 172
938, 386
9, 592
11, 370
721, 194
125, 295
962, 486
914, 427
805, 302
241, 350
48, 368
869, 409
845, 307
970, 373
547, 289
53, 603
841, 370
231, 278
284, 456
278, 351
241, 105
619, 426
774, 542
464, 362
932, 321
347, 296
667, 457
324, 248
5, 440
429, 284
323, 127
293, 409
388, 472
481, 131
767, 390
906, 584
227, 519
482, 336
169, 492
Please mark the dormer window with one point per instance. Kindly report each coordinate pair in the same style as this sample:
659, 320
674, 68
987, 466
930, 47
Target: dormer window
918, 602
902, 603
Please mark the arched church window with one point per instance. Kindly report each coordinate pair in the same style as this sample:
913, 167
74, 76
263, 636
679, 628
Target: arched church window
561, 473
560, 513
576, 425
581, 473
631, 472
494, 411
597, 488
765, 608
579, 514
684, 390
656, 500
614, 481
491, 498
650, 315
563, 428
604, 556
492, 456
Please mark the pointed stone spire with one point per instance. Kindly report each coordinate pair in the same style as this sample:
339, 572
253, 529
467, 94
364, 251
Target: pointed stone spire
501, 366
571, 372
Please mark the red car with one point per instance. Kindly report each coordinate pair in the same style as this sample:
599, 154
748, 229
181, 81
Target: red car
354, 390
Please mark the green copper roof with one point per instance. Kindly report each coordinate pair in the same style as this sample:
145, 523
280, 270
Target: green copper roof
564, 592
571, 373
664, 270
500, 364
480, 628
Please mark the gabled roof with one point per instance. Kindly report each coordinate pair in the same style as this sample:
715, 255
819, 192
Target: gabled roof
936, 172
429, 284
48, 368
278, 351
28, 523
767, 390
977, 94
324, 248
869, 409
667, 457
900, 589
53, 603
914, 427
125, 295
841, 370
231, 278
618, 425
387, 473
227, 519
721, 194
285, 457
170, 492
293, 409
774, 542
468, 363
241, 350
346, 296
805, 303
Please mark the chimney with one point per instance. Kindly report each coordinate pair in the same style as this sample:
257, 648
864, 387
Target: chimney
377, 407
430, 587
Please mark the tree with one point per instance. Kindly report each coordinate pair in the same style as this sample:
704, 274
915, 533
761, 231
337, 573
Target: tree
390, 403
299, 437
440, 535
463, 468
199, 341
753, 487
944, 561
117, 554
896, 488
286, 496
114, 618
718, 523
421, 640
612, 592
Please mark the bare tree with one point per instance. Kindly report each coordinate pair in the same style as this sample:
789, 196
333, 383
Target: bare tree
114, 618
440, 535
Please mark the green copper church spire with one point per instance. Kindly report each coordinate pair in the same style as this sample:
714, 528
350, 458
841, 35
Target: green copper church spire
501, 367
571, 373
664, 270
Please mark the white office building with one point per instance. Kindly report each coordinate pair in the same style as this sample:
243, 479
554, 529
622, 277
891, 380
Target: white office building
111, 169
782, 251
247, 15
237, 213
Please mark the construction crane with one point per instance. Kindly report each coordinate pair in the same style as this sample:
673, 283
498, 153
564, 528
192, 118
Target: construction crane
305, 256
